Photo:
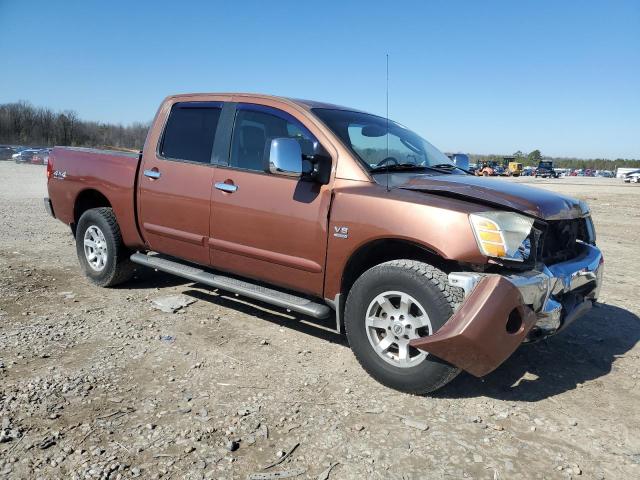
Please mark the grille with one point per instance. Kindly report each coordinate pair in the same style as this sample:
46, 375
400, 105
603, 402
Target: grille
559, 241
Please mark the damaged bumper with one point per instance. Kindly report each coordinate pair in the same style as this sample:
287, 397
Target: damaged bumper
500, 312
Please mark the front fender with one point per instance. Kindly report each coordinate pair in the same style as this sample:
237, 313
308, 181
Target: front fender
368, 212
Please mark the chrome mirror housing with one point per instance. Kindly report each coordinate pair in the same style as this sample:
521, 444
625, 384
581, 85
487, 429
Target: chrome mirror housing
285, 157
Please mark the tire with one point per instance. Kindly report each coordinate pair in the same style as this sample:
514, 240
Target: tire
99, 225
427, 288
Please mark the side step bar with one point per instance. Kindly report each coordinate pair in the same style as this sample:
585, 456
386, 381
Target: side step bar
250, 290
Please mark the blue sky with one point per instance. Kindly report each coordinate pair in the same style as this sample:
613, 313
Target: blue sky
471, 76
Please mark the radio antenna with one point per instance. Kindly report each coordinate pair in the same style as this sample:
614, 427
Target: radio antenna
387, 136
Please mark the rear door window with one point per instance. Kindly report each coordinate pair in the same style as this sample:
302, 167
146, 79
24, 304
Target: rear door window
190, 131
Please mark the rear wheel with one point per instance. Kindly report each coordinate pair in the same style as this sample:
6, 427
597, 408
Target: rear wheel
388, 306
102, 255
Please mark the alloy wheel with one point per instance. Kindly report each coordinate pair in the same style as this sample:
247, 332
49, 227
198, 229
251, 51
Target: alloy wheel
95, 248
393, 319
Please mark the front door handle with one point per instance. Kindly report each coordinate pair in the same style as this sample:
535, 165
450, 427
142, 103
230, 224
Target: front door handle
226, 187
152, 174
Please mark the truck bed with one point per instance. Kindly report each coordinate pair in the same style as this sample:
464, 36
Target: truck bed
83, 173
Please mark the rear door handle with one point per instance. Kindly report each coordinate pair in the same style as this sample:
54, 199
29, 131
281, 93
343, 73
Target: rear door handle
152, 174
226, 187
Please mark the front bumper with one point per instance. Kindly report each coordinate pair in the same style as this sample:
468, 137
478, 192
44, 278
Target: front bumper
499, 312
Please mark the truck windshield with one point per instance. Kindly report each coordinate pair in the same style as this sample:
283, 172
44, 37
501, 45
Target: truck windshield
379, 147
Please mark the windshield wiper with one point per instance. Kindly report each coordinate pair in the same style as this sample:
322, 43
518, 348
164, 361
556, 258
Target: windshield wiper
446, 166
407, 167
397, 167
449, 167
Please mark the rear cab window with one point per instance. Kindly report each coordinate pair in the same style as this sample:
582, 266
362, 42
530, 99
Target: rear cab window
190, 131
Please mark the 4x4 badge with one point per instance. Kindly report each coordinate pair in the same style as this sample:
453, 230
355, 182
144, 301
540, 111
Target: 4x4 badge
341, 232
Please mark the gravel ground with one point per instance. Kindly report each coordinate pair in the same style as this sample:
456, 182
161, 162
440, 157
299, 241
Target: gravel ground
96, 383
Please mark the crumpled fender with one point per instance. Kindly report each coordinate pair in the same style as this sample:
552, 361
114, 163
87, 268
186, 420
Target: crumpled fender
488, 327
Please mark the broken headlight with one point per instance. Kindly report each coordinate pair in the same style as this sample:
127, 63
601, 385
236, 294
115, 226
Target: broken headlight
503, 234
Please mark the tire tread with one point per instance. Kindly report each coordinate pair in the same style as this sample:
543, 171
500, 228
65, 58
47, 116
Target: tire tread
449, 300
123, 268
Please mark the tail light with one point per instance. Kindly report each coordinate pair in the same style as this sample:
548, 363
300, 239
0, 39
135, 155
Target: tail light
50, 166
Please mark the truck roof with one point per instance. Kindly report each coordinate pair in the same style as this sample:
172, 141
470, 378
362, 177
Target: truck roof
306, 104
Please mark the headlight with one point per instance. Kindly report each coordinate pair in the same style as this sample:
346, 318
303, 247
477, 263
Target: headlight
502, 234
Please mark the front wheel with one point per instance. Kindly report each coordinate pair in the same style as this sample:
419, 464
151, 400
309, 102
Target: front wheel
102, 255
388, 306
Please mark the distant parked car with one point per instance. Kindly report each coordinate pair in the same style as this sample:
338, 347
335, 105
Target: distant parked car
545, 170
632, 177
41, 157
17, 151
622, 171
25, 156
6, 152
501, 171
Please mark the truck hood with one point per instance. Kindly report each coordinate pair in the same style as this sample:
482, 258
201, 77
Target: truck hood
502, 194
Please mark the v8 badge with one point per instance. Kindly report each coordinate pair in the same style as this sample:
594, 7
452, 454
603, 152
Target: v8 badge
341, 232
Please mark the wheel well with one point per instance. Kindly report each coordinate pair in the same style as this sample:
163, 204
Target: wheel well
87, 200
381, 251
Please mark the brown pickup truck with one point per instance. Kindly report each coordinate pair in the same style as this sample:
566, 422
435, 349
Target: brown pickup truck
330, 211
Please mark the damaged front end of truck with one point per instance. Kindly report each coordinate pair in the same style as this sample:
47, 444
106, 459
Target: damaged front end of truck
542, 274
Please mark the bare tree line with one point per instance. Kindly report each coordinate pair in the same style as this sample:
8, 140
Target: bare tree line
23, 124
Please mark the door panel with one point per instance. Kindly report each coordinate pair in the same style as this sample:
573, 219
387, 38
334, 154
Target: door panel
175, 209
176, 181
271, 228
268, 227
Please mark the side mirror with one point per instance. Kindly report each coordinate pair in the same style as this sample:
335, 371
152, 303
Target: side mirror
316, 161
285, 157
294, 157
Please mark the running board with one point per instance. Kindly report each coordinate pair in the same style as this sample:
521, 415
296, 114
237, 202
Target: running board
250, 290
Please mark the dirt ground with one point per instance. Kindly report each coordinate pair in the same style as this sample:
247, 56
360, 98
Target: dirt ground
95, 383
